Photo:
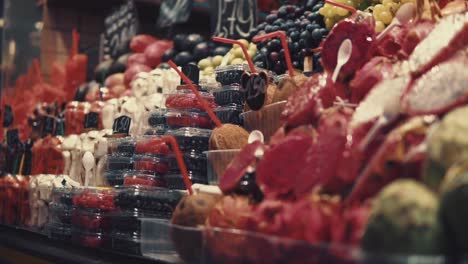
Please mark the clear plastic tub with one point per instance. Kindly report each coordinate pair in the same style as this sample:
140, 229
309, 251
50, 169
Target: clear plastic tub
123, 146
218, 161
155, 131
191, 138
161, 201
91, 239
230, 94
64, 196
180, 118
230, 74
129, 221
91, 220
186, 100
95, 198
144, 178
115, 178
267, 119
229, 114
176, 181
60, 213
151, 164
116, 162
126, 243
151, 145
58, 231
157, 118
194, 161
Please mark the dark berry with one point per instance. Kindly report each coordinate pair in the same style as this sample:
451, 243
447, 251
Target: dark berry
312, 26
270, 19
295, 35
274, 28
274, 56
317, 34
316, 8
269, 28
282, 12
278, 22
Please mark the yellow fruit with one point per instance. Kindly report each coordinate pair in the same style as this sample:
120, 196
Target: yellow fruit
204, 63
216, 61
245, 42
379, 26
253, 47
209, 70
251, 53
238, 53
237, 61
386, 17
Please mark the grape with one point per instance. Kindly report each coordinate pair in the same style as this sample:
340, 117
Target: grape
386, 17
333, 14
295, 35
379, 26
271, 18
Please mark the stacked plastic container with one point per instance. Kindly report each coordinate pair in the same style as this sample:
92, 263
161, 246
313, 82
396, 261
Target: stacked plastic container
230, 97
90, 218
61, 210
120, 159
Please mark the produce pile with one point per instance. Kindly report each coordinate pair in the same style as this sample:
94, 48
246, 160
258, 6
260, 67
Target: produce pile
316, 138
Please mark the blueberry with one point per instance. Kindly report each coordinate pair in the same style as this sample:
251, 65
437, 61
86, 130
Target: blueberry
284, 27
260, 64
269, 28
295, 35
302, 43
293, 47
281, 54
323, 32
290, 23
274, 56
312, 16
282, 12
305, 35
271, 18
279, 22
317, 34
312, 26
316, 8
275, 28
274, 45
261, 26
264, 50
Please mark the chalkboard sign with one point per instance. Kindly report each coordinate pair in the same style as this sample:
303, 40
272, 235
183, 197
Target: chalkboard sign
12, 137
91, 121
233, 18
122, 125
7, 116
255, 86
192, 72
174, 12
49, 125
120, 27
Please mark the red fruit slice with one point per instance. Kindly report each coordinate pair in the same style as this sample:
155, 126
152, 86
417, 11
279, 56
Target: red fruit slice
440, 89
448, 36
238, 166
359, 28
283, 165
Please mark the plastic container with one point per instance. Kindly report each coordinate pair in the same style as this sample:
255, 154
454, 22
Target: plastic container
126, 243
155, 131
161, 201
230, 94
194, 161
186, 100
60, 213
95, 198
122, 146
151, 145
218, 161
163, 241
90, 239
91, 220
157, 118
156, 165
267, 119
115, 178
180, 118
176, 181
229, 114
58, 231
230, 74
143, 178
116, 162
129, 221
64, 196
191, 138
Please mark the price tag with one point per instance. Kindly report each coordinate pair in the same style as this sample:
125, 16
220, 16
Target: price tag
49, 125
120, 27
122, 125
193, 73
174, 12
254, 86
12, 137
7, 116
233, 19
91, 121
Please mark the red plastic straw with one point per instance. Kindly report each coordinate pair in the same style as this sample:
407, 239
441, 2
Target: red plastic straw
284, 43
244, 50
75, 41
180, 161
347, 7
200, 98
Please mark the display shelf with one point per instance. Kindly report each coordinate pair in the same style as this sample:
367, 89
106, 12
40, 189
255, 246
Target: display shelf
37, 246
